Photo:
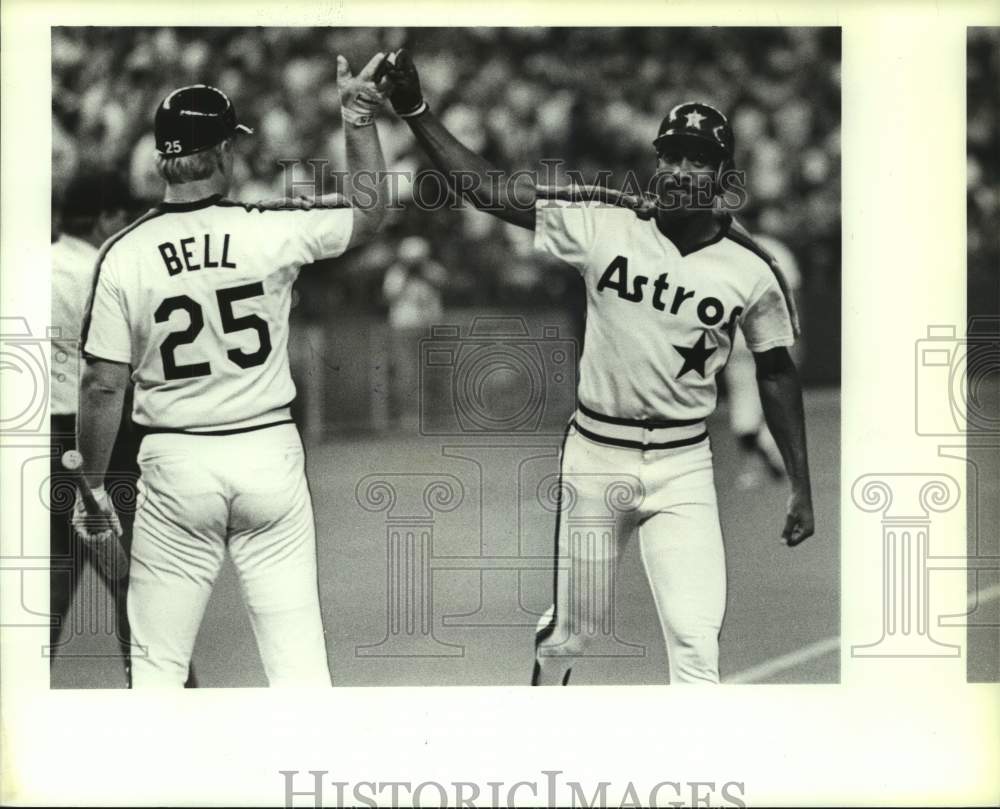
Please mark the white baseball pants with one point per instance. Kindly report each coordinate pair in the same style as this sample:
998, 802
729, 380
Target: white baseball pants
672, 509
198, 496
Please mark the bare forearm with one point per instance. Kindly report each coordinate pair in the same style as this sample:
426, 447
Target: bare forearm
509, 197
97, 425
781, 398
367, 180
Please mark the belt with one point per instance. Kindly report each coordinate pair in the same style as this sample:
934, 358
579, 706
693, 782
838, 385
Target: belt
276, 417
638, 433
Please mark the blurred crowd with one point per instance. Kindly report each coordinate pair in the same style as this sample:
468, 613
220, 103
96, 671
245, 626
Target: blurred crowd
983, 131
590, 97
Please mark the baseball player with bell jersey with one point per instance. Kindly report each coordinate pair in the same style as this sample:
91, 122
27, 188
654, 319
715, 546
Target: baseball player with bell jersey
192, 302
670, 278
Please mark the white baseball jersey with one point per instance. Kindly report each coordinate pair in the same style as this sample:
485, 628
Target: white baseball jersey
784, 257
660, 323
196, 296
73, 263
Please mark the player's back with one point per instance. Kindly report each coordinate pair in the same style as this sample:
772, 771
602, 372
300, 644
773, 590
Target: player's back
196, 297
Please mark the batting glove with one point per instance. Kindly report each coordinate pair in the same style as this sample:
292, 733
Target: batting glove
400, 81
360, 96
101, 534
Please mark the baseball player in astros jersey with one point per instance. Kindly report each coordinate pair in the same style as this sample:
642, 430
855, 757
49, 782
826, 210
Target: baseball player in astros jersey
667, 287
746, 416
192, 302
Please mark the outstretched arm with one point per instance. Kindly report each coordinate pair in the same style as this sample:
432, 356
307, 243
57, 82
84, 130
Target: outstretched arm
511, 198
467, 173
781, 397
367, 179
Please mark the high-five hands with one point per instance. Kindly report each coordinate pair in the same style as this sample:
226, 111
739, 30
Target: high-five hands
360, 96
397, 78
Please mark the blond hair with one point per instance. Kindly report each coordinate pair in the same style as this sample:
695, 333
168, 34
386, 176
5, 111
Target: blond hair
198, 166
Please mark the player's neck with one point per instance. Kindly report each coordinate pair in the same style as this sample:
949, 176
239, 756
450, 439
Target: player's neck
196, 189
688, 228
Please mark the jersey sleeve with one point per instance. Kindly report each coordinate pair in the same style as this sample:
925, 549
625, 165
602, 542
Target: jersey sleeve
767, 323
322, 232
106, 333
566, 230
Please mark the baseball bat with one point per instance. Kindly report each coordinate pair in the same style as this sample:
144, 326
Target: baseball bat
72, 461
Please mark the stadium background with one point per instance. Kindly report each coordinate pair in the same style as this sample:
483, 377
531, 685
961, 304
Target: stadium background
983, 131
590, 97
983, 298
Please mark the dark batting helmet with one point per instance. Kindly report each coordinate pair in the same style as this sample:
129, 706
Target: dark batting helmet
194, 118
701, 124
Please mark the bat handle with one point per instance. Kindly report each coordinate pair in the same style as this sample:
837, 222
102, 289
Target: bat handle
87, 494
73, 461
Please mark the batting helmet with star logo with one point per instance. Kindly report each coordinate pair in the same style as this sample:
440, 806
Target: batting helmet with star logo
701, 123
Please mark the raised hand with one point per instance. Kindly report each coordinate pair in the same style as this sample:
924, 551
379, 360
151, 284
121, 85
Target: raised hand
398, 79
360, 96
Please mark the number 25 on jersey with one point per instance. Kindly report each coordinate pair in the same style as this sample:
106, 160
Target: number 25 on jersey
231, 323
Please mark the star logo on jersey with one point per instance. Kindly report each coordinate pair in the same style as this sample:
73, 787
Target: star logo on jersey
695, 356
694, 119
